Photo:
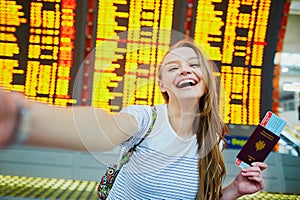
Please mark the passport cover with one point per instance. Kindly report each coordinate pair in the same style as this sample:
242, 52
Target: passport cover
258, 146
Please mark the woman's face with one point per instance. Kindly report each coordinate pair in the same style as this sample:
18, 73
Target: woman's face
181, 76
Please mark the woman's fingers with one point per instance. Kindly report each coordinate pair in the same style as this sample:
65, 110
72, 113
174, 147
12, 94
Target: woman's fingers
254, 173
261, 165
8, 115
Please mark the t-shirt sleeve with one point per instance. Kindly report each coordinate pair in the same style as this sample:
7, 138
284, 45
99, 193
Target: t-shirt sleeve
143, 115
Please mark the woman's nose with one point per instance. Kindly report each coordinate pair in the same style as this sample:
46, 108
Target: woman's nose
184, 70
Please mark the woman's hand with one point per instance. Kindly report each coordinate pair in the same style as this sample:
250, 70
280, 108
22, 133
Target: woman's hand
8, 117
248, 181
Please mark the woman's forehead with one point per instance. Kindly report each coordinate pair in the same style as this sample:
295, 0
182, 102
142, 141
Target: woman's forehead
180, 53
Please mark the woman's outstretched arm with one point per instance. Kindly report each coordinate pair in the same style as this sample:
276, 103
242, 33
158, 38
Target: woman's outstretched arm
75, 128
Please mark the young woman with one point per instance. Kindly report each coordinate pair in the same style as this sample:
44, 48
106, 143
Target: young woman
180, 159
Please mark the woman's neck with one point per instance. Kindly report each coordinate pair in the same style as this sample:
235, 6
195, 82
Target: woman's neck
181, 117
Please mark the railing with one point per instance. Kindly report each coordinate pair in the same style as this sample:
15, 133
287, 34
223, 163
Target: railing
291, 140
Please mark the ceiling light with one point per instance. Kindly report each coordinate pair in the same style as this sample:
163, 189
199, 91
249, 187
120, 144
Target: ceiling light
285, 69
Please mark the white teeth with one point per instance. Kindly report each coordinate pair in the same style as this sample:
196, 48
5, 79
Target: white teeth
185, 83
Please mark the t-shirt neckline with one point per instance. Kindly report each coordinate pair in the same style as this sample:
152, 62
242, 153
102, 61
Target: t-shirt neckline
183, 139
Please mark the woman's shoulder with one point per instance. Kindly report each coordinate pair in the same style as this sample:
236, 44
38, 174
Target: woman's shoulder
136, 109
141, 108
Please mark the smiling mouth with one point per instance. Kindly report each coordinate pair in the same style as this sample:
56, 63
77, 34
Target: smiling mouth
186, 83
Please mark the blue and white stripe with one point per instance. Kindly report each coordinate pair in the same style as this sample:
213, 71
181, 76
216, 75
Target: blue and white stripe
153, 175
164, 165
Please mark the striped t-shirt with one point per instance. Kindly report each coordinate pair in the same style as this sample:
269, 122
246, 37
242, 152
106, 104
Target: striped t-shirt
164, 165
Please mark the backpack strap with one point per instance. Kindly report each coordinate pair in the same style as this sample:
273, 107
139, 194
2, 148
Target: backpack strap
126, 156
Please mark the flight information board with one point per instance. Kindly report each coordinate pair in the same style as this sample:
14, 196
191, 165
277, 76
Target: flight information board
132, 37
43, 43
37, 40
241, 36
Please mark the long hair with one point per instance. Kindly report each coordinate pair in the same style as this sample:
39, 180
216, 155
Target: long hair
210, 130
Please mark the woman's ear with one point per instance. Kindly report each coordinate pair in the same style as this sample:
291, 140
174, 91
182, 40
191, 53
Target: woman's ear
161, 86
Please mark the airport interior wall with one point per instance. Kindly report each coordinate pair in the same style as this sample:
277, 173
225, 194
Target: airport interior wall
281, 176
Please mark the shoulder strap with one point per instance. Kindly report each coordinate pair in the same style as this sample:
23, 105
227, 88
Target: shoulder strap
126, 156
154, 116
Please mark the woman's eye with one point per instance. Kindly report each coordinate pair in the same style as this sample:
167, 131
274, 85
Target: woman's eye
194, 65
173, 68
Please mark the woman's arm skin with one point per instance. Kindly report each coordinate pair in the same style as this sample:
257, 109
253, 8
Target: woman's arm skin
248, 181
75, 128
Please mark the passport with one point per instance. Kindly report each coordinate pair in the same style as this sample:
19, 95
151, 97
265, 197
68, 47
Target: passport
258, 146
262, 140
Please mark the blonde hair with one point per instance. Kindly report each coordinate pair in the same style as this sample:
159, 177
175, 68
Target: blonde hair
210, 130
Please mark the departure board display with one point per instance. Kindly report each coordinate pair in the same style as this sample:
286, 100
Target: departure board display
37, 40
43, 42
132, 36
241, 36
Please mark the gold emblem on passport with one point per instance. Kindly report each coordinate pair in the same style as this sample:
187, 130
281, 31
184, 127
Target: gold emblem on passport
260, 145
